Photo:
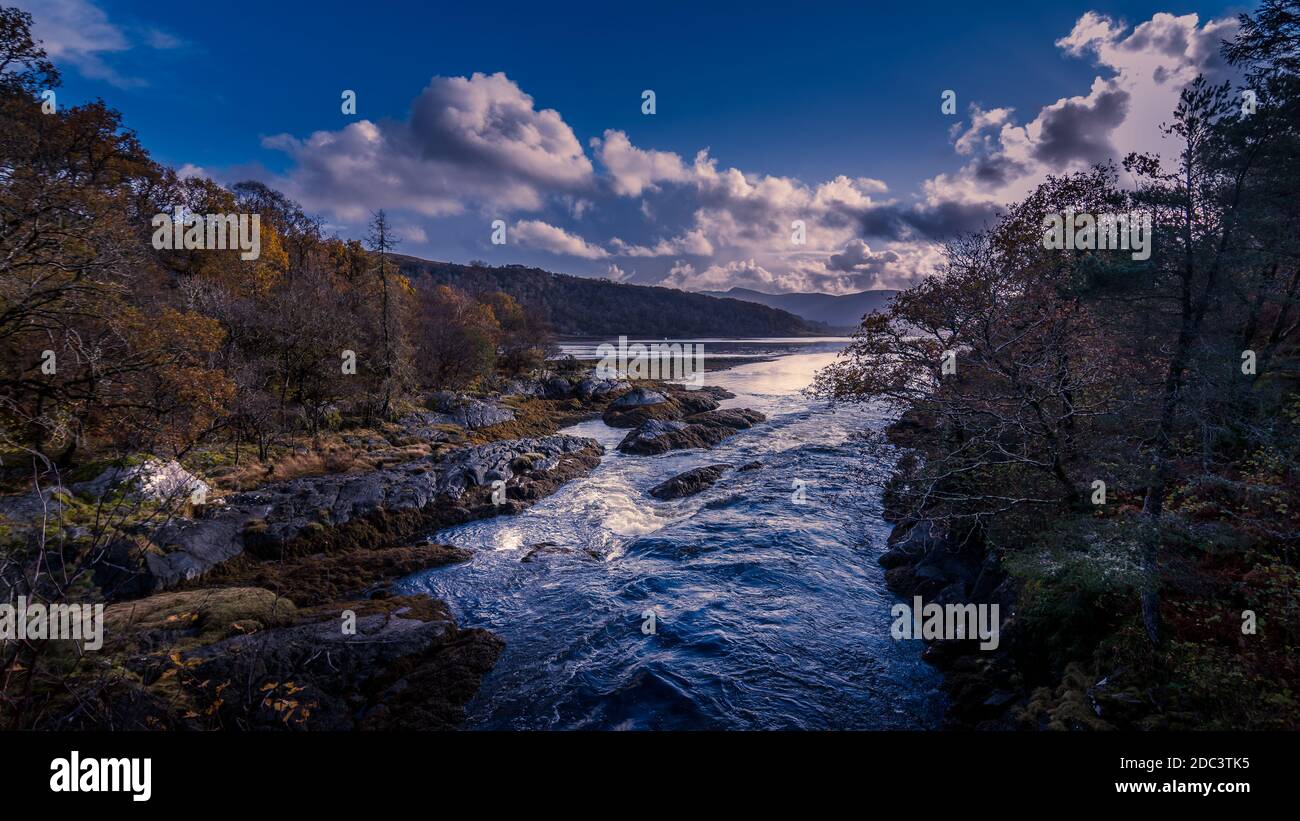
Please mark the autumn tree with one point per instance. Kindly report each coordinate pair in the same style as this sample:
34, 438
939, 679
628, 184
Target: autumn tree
456, 338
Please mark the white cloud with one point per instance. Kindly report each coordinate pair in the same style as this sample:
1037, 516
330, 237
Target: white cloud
538, 234
633, 170
470, 142
78, 33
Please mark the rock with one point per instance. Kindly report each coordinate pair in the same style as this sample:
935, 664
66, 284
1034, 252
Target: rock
591, 388
897, 557
523, 387
689, 483
543, 549
704, 430
451, 409
322, 577
750, 466
409, 666
23, 511
154, 479
557, 387
689, 402
345, 511
637, 397
182, 619
734, 418
641, 405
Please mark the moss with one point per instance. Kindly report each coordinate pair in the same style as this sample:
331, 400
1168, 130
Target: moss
189, 618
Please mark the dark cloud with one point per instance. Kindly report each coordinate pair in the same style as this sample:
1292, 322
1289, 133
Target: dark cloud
997, 169
935, 223
1080, 129
857, 257
1169, 39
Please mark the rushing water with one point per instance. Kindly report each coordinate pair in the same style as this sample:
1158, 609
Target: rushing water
769, 614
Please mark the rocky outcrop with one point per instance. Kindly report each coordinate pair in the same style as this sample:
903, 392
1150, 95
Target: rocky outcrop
324, 577
702, 430
592, 389
636, 398
689, 483
154, 479
400, 663
334, 513
668, 402
459, 410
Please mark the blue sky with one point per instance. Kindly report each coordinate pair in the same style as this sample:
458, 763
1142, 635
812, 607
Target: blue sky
825, 113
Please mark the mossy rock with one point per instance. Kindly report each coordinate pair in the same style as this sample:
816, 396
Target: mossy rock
195, 617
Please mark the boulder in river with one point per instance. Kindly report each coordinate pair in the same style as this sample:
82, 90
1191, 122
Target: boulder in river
672, 402
734, 418
703, 430
637, 397
689, 483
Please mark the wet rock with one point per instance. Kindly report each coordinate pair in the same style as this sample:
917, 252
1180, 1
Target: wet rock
637, 397
692, 402
672, 402
542, 549
750, 466
734, 418
689, 483
703, 430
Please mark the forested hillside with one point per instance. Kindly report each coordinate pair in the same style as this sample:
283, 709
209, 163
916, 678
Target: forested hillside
576, 306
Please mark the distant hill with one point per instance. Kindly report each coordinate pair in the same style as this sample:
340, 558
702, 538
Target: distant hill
836, 311
577, 306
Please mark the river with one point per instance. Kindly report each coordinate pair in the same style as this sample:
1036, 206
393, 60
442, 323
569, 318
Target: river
768, 614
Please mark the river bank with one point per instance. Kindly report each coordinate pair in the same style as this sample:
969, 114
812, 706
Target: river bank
285, 587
